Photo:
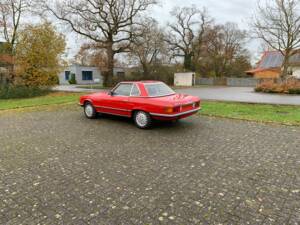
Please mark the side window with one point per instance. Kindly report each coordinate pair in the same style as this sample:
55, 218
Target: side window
135, 91
123, 90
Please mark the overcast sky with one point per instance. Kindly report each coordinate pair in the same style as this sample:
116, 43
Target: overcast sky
238, 11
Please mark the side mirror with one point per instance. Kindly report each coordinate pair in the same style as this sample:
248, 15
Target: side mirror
111, 93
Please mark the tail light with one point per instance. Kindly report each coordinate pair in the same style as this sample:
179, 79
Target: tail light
177, 109
169, 110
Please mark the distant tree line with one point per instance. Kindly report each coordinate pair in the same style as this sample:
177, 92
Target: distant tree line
193, 42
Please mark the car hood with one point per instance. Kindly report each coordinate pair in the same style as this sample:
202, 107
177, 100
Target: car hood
177, 99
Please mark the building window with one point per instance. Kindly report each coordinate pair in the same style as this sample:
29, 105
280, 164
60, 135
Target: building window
87, 75
67, 75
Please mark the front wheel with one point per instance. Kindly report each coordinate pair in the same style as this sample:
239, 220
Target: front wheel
142, 120
90, 111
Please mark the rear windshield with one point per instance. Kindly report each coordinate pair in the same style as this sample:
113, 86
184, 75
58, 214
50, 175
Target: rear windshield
158, 89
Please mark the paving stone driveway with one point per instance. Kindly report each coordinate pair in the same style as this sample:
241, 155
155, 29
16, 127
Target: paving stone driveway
56, 167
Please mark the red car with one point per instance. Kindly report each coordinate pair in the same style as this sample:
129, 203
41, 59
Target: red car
143, 101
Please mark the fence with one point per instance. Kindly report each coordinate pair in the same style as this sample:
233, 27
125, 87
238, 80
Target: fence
242, 82
232, 82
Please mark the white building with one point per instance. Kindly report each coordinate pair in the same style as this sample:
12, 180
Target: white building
85, 74
184, 79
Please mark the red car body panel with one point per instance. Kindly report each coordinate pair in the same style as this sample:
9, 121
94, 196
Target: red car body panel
158, 107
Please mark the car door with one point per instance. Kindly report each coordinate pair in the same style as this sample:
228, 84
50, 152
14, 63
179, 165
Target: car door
119, 101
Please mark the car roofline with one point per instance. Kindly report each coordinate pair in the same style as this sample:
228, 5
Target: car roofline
141, 82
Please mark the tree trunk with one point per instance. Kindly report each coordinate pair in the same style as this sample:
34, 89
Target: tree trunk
145, 70
188, 62
285, 65
11, 74
110, 66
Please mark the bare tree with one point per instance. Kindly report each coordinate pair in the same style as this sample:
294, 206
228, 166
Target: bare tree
109, 23
90, 54
233, 42
10, 13
277, 23
222, 46
189, 26
149, 46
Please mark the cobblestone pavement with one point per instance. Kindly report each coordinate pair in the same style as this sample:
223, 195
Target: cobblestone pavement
56, 167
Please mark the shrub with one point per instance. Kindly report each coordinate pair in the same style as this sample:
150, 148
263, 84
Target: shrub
290, 86
258, 89
159, 72
10, 92
73, 79
37, 55
294, 91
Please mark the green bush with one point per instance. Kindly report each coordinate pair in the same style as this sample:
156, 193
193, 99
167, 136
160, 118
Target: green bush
159, 72
294, 91
10, 92
73, 79
259, 89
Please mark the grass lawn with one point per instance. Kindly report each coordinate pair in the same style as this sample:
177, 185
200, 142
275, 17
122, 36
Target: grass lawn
289, 115
54, 98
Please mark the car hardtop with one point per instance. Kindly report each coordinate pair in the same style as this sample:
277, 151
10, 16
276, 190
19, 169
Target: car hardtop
141, 82
141, 86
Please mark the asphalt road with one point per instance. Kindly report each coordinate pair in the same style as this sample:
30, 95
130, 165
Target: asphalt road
241, 94
57, 167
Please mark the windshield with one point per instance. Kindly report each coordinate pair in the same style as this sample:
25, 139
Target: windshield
158, 89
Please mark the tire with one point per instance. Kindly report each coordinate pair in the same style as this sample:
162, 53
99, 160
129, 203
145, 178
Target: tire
90, 111
142, 120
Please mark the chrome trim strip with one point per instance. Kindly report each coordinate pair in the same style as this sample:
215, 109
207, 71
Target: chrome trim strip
124, 110
116, 114
175, 115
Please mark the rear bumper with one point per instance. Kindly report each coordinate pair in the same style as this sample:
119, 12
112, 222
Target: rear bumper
176, 116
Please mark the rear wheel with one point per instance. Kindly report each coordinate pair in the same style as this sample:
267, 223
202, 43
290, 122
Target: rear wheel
90, 111
142, 120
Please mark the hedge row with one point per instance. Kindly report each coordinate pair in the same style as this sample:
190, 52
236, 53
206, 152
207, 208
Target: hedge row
287, 87
10, 91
